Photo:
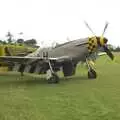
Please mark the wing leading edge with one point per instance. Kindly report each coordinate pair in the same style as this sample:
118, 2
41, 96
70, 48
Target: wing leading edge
18, 59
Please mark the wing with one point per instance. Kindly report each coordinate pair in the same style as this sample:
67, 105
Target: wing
26, 59
32, 64
18, 59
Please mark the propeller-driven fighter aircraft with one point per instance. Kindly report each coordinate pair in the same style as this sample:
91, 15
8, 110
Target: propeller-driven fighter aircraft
65, 56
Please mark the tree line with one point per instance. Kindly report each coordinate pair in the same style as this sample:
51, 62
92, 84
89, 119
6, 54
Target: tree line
114, 48
10, 40
33, 42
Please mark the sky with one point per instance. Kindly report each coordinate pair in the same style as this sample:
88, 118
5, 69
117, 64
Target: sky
50, 21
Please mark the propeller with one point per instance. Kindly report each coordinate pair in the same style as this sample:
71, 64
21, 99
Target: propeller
105, 47
106, 25
109, 53
102, 41
89, 28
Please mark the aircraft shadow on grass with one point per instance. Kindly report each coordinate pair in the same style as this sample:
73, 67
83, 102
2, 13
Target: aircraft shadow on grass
28, 80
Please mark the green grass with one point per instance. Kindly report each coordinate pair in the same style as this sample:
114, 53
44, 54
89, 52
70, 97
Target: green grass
75, 98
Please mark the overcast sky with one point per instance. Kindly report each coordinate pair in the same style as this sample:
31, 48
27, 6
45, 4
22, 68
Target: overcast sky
55, 20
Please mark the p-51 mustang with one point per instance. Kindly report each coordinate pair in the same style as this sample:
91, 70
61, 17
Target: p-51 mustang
65, 56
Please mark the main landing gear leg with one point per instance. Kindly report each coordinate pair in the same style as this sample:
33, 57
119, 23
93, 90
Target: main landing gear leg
91, 72
52, 77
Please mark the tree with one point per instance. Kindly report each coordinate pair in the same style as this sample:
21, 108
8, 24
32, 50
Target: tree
9, 35
111, 47
21, 41
117, 49
4, 42
31, 42
1, 41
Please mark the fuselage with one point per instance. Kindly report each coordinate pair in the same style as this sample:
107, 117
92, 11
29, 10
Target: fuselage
76, 49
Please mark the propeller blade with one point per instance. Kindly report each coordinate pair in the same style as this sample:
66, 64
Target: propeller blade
106, 25
109, 53
89, 28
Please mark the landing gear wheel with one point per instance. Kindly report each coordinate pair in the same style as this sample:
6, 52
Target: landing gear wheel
53, 79
92, 74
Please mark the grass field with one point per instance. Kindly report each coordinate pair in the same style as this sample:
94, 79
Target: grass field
75, 98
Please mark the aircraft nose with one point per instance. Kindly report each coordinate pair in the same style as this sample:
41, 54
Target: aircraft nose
102, 42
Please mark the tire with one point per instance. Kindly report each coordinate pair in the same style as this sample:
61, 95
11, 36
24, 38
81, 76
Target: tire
53, 79
92, 74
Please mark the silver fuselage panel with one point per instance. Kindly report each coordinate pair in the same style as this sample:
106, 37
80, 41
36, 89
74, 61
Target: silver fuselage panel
74, 49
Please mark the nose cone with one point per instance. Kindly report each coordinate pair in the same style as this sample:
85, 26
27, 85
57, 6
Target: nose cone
101, 41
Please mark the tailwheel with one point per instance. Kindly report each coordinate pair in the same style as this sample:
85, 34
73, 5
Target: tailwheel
53, 79
92, 74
